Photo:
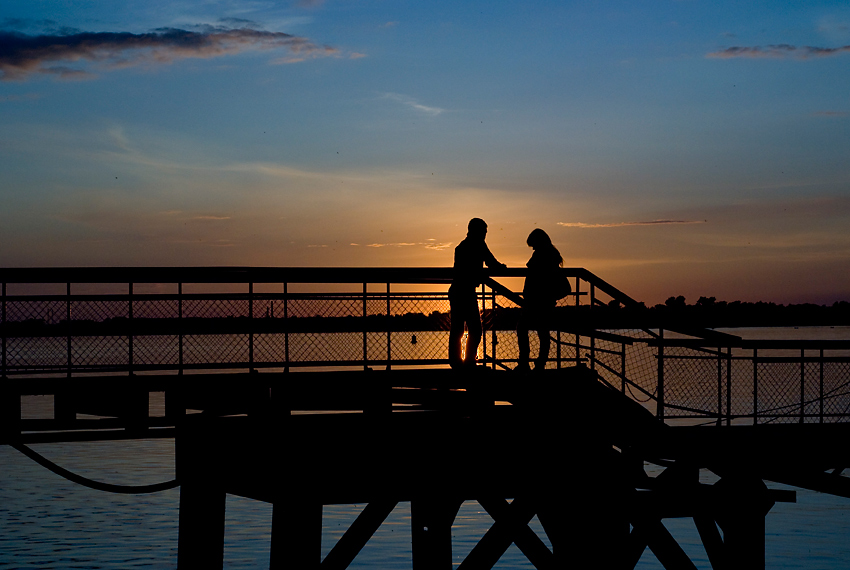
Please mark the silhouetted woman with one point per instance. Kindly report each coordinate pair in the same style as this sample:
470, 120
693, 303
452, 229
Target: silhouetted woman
539, 297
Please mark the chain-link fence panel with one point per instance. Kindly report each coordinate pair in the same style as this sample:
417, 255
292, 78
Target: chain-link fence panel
88, 352
156, 309
692, 381
325, 348
836, 390
98, 311
38, 312
36, 354
778, 390
737, 394
200, 349
420, 345
270, 349
215, 308
156, 350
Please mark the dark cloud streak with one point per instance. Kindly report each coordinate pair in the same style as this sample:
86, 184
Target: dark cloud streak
778, 51
624, 224
23, 55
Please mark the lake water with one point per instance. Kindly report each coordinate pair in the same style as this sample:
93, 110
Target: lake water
47, 522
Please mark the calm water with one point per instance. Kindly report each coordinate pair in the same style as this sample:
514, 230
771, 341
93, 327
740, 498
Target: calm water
49, 523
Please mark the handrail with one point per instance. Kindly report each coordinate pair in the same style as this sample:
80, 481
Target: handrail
606, 288
232, 274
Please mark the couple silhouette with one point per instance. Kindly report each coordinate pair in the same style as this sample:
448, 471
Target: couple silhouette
538, 293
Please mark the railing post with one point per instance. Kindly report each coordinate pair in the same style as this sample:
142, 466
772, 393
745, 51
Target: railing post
820, 386
10, 401
251, 327
286, 327
755, 386
130, 330
63, 404
389, 330
728, 385
365, 344
3, 325
802, 385
68, 326
659, 412
592, 340
558, 348
623, 366
592, 307
483, 324
578, 302
719, 385
494, 337
180, 328
174, 398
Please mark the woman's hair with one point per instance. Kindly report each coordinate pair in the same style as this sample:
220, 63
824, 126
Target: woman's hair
540, 240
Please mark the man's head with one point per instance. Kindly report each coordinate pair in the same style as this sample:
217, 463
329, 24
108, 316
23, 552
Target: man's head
477, 228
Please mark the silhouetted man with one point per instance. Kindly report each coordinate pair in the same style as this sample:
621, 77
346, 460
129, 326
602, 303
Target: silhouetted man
470, 256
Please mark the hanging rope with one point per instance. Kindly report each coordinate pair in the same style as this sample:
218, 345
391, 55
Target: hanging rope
91, 484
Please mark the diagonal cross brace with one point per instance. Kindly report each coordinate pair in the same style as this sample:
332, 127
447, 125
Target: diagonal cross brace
357, 535
510, 526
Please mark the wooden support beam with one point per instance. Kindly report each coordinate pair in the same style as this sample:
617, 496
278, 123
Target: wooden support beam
744, 502
63, 407
10, 412
357, 535
431, 519
175, 405
664, 546
583, 524
200, 539
203, 501
499, 537
526, 539
634, 547
744, 540
712, 541
296, 535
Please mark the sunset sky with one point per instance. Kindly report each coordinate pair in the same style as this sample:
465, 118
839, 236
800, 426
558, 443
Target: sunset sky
671, 147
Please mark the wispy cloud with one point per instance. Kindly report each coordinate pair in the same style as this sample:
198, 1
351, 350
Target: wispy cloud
622, 224
429, 244
778, 51
59, 55
414, 104
831, 114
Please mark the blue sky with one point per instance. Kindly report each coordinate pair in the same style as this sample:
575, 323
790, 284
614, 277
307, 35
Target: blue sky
673, 148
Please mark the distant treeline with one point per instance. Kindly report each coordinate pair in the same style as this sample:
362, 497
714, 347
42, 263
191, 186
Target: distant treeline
708, 312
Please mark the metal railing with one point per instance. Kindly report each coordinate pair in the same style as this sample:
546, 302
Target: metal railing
731, 382
755, 381
95, 321
140, 320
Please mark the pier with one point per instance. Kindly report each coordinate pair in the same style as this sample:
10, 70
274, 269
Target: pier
305, 387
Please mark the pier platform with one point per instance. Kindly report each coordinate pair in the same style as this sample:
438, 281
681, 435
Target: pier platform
304, 387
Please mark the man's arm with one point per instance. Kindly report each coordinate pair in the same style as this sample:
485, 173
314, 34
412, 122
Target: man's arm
491, 260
